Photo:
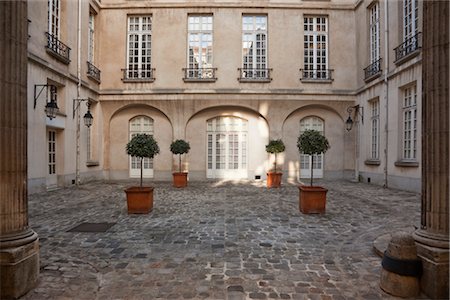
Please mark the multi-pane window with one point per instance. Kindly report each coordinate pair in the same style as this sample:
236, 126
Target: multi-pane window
227, 147
139, 47
375, 130
254, 47
374, 26
91, 38
410, 18
54, 10
141, 124
315, 43
51, 152
200, 52
410, 122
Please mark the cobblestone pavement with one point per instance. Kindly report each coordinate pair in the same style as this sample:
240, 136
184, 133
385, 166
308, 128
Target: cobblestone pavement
216, 240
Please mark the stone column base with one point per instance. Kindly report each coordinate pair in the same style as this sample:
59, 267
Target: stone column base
19, 265
434, 252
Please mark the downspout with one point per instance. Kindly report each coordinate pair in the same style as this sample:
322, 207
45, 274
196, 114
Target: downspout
386, 91
77, 171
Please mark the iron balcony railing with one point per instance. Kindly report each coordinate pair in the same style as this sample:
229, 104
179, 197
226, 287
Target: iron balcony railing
316, 75
138, 74
57, 48
199, 74
254, 74
372, 70
407, 47
93, 72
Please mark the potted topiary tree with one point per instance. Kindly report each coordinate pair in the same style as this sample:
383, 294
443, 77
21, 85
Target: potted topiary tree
312, 198
179, 147
274, 177
139, 198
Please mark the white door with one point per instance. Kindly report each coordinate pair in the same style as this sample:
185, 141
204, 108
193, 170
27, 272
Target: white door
305, 160
141, 124
52, 180
227, 148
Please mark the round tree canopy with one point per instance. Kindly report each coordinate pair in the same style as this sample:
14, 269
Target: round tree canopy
312, 142
142, 145
275, 146
180, 147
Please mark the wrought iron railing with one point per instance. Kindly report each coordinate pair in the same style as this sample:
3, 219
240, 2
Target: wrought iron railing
201, 74
407, 47
372, 70
93, 72
316, 74
254, 74
58, 48
138, 74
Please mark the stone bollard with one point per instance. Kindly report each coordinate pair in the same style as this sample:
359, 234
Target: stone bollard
401, 267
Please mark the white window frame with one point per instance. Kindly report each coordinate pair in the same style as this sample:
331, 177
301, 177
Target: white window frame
375, 129
315, 123
140, 31
200, 35
91, 37
54, 17
314, 40
374, 25
254, 65
410, 123
410, 19
134, 165
224, 133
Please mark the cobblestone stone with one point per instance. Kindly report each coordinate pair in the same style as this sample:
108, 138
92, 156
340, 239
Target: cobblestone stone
216, 240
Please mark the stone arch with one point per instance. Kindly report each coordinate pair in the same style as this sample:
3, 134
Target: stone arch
196, 134
118, 136
337, 159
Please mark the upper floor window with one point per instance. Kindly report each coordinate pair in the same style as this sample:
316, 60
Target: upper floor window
410, 18
54, 10
410, 123
407, 49
91, 38
254, 48
315, 41
200, 50
374, 25
139, 66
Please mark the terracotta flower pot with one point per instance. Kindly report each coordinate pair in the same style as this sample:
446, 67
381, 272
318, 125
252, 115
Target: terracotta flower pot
139, 200
312, 199
274, 179
179, 179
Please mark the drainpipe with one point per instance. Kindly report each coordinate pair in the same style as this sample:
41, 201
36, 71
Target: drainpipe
386, 86
77, 171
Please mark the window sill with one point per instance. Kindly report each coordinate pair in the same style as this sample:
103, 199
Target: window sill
372, 162
92, 163
93, 78
407, 57
59, 57
316, 80
407, 163
137, 80
372, 77
199, 79
259, 80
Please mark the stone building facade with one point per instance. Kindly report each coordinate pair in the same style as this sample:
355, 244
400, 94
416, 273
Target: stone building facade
227, 77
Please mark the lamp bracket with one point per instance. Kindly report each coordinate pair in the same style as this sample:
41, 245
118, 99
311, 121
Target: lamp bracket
38, 88
359, 110
76, 104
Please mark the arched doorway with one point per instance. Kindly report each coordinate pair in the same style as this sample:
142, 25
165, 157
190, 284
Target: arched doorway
315, 123
141, 124
227, 147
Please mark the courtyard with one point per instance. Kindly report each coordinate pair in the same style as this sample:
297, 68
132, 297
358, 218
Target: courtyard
216, 240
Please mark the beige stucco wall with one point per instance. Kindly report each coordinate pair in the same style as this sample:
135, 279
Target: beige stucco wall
180, 109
